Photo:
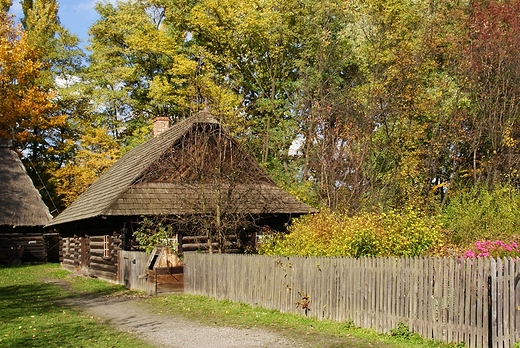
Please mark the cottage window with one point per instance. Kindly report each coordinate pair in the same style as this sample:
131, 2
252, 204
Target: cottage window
106, 247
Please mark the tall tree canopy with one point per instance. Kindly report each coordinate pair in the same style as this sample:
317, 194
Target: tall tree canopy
354, 105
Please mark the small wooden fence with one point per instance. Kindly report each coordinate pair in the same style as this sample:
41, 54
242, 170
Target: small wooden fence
471, 301
132, 268
137, 273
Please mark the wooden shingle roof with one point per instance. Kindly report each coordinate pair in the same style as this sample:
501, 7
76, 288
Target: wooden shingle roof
20, 202
157, 178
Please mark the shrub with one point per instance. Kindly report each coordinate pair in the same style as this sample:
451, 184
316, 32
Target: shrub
479, 214
152, 233
404, 233
401, 331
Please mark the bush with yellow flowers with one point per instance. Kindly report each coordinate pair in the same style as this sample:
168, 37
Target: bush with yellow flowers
394, 233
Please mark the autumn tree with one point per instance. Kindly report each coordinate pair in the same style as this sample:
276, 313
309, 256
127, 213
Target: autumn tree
494, 75
395, 98
331, 131
96, 152
42, 131
352, 105
23, 103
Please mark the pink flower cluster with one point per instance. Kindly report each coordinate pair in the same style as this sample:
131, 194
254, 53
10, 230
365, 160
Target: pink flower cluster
496, 248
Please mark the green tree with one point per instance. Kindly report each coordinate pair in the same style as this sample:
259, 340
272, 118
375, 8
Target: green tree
333, 134
408, 96
252, 47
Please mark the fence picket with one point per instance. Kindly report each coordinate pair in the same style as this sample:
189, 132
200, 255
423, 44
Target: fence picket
500, 300
494, 309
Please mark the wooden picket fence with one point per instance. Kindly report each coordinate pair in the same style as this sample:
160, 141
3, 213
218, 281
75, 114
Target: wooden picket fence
473, 301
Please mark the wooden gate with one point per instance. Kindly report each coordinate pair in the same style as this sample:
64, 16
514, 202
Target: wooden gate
132, 271
143, 272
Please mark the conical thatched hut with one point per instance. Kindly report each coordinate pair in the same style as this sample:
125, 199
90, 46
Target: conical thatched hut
194, 175
22, 211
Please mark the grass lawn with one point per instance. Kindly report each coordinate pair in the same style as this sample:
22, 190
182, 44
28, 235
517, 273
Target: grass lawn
31, 316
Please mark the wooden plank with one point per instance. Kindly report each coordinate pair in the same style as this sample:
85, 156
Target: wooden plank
105, 275
426, 298
516, 288
345, 288
469, 297
381, 269
368, 292
509, 307
363, 295
96, 259
506, 303
437, 281
395, 294
350, 287
494, 305
500, 302
458, 300
399, 291
356, 291
408, 291
412, 293
105, 268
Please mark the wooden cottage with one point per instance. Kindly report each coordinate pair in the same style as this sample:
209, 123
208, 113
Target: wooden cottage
22, 211
195, 179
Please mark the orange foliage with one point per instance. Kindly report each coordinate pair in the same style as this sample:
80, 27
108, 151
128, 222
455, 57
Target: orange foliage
24, 105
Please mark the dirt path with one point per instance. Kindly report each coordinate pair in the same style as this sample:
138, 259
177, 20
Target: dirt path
131, 315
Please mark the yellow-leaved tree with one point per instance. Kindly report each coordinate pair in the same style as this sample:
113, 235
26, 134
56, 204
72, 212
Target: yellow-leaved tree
97, 152
23, 102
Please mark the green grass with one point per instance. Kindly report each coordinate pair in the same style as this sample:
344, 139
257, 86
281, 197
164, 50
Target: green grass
318, 333
31, 314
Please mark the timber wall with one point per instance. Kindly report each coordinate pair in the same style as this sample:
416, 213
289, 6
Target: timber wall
34, 244
473, 301
87, 255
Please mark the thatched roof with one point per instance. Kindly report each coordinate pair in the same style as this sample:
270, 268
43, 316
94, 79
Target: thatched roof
167, 175
20, 202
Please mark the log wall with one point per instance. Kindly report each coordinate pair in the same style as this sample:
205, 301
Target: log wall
34, 244
87, 255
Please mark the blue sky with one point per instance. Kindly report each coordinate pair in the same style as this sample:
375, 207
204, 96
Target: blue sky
75, 15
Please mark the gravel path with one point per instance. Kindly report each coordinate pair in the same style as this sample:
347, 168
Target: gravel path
131, 315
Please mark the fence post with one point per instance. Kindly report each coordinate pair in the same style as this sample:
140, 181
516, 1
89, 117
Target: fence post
517, 300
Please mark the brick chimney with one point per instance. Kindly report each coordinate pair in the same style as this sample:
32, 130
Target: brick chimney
4, 142
160, 124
